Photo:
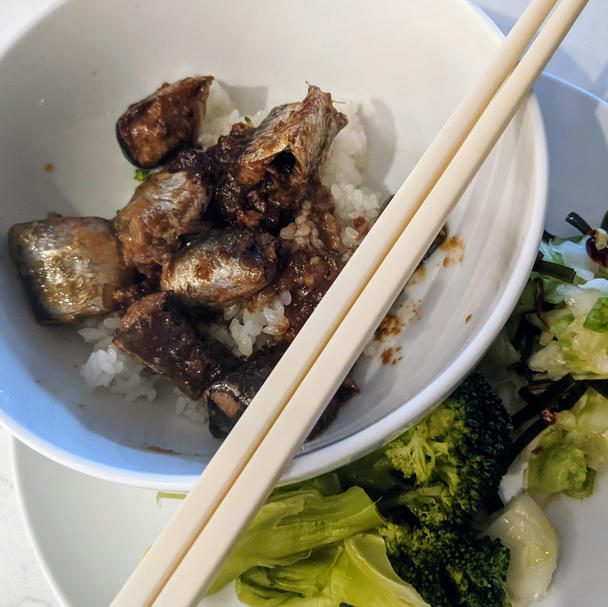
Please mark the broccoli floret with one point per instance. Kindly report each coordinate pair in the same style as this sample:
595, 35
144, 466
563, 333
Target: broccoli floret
449, 566
443, 469
429, 484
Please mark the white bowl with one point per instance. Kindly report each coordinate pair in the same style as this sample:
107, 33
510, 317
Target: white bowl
66, 80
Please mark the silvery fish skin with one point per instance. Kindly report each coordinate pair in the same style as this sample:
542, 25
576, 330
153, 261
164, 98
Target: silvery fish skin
155, 128
227, 398
160, 210
221, 266
292, 139
266, 181
70, 266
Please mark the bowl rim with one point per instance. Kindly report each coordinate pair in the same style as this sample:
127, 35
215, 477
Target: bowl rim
357, 444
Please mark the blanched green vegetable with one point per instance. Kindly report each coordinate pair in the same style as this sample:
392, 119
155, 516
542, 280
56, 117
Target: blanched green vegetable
355, 571
569, 452
561, 468
597, 318
292, 524
575, 337
524, 529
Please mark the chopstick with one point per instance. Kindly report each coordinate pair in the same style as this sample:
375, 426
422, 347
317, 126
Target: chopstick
182, 563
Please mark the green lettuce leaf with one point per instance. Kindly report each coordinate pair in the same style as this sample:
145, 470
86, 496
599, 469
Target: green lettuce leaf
568, 343
569, 452
292, 524
354, 572
558, 468
597, 319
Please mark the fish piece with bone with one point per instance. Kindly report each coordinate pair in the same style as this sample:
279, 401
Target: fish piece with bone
161, 209
269, 176
155, 332
70, 266
221, 266
227, 398
155, 128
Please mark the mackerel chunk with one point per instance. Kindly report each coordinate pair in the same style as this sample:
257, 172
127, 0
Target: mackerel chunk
156, 333
70, 266
161, 209
269, 177
155, 128
221, 266
227, 398
292, 140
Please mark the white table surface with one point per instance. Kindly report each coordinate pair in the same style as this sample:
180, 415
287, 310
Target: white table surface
582, 59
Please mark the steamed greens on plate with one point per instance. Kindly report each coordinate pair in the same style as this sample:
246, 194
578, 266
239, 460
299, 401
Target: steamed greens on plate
557, 343
574, 332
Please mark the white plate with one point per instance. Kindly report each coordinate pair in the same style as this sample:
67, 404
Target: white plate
70, 76
89, 534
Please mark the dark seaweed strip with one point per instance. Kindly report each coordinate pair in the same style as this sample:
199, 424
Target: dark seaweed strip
604, 224
519, 333
525, 438
570, 398
538, 402
523, 342
539, 300
574, 219
555, 270
547, 236
567, 401
599, 385
529, 336
540, 384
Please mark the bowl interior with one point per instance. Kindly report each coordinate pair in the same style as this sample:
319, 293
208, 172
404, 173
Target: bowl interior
68, 78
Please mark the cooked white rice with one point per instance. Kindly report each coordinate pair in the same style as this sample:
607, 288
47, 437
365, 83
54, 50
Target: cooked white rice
108, 367
259, 322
